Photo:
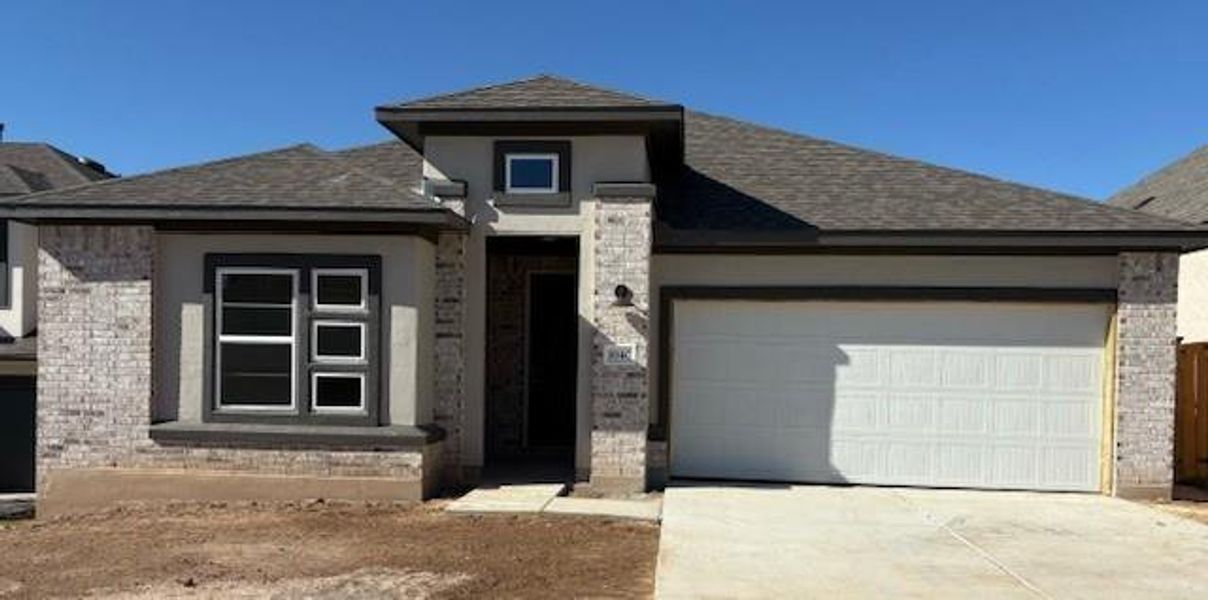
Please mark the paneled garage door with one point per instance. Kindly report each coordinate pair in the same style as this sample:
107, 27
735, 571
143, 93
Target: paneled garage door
950, 394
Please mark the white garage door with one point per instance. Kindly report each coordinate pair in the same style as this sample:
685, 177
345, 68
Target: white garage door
948, 394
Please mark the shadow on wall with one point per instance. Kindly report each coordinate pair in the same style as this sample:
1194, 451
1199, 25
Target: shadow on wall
749, 412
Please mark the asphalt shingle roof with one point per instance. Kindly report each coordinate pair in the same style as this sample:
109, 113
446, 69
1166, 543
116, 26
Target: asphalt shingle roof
737, 177
33, 167
542, 91
741, 176
382, 176
1178, 190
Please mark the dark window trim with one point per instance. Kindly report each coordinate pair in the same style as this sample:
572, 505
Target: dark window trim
298, 436
6, 287
668, 295
375, 378
506, 147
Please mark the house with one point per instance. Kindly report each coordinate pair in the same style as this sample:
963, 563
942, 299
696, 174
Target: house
1180, 191
546, 274
25, 168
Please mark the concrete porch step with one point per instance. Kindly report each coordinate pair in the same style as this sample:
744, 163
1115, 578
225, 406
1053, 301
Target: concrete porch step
513, 498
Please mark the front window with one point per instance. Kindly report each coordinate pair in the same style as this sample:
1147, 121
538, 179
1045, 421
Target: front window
532, 173
256, 338
293, 338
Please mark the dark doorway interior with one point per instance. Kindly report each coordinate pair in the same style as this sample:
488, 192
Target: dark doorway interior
532, 352
552, 346
17, 429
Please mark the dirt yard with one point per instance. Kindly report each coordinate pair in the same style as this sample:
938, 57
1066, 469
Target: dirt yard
323, 550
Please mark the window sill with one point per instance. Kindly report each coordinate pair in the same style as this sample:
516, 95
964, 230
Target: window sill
317, 436
558, 199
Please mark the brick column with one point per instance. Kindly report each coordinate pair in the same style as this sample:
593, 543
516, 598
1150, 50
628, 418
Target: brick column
450, 363
619, 394
94, 345
1146, 355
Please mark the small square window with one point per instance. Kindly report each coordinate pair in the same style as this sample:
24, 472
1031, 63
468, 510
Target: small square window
531, 173
339, 289
338, 341
338, 392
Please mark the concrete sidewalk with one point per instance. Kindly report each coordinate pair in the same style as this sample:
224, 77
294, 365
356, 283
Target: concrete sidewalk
821, 542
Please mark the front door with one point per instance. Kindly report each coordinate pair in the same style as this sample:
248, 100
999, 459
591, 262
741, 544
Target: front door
552, 360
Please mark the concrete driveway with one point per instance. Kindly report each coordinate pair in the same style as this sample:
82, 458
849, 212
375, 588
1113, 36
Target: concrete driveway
815, 541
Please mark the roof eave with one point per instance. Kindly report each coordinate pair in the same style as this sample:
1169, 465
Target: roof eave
412, 124
436, 217
668, 240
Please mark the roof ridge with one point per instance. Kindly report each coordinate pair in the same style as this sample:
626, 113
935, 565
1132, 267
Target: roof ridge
635, 98
1154, 176
477, 88
183, 168
67, 158
9, 173
366, 146
76, 163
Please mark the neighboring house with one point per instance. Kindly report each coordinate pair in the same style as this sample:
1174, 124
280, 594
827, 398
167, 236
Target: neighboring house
620, 290
25, 168
1180, 191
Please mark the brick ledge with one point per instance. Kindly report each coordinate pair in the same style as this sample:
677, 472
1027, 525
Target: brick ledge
300, 436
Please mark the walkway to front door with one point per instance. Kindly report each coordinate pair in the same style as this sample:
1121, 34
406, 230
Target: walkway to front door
852, 542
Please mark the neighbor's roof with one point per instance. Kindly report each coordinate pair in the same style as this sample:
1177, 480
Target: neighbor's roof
33, 167
742, 176
540, 92
378, 177
1178, 190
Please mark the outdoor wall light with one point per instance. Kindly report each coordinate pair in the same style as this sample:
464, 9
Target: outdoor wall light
624, 295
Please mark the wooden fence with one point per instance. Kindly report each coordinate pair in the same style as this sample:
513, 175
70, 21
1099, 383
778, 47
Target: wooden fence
1191, 415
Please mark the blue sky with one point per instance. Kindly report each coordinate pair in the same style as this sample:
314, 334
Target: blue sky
1083, 97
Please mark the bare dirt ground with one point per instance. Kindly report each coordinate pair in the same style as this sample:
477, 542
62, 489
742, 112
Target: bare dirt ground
323, 550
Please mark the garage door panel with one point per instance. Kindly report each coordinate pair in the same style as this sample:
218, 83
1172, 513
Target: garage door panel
948, 394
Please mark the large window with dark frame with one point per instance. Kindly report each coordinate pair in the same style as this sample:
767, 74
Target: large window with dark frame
294, 338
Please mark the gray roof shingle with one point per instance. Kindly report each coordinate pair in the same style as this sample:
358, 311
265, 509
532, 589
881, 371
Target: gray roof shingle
542, 91
740, 176
1178, 190
297, 177
33, 167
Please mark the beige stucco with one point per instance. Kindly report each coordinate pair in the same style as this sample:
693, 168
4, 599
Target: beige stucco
990, 271
20, 316
1193, 297
471, 159
408, 265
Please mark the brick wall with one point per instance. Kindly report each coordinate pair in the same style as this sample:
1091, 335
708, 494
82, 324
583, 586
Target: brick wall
1146, 355
620, 402
95, 387
94, 345
450, 363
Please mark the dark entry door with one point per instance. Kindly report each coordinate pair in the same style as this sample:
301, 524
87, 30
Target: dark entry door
552, 361
17, 425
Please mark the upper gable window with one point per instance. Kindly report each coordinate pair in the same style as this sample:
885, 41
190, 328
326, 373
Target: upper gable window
532, 172
526, 173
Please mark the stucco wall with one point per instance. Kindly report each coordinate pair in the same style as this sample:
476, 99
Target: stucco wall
408, 277
1193, 297
21, 315
471, 159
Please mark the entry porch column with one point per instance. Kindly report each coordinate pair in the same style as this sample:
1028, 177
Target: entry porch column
619, 391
